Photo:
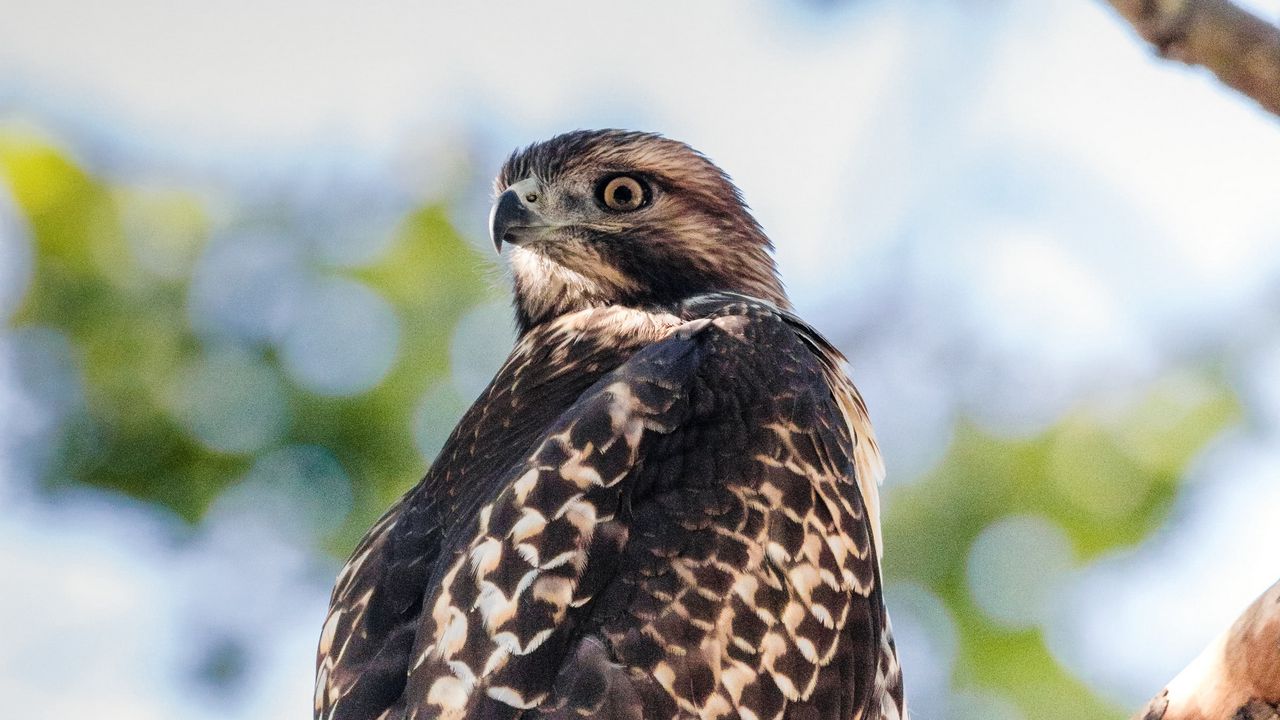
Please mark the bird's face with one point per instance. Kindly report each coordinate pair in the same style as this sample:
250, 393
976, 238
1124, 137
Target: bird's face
612, 217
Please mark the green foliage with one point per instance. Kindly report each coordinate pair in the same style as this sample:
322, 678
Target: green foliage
1107, 480
122, 302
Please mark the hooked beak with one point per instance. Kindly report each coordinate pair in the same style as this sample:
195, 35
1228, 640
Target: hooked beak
512, 220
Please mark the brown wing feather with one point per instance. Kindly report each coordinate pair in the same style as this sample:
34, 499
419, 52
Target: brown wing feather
350, 664
750, 584
376, 609
496, 629
691, 537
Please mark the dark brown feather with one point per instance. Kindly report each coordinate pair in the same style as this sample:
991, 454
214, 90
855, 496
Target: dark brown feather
664, 505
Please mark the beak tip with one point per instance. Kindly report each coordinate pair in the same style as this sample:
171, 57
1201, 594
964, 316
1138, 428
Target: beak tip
494, 237
508, 211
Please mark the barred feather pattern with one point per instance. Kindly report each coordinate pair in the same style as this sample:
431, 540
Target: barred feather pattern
510, 590
751, 582
691, 537
376, 606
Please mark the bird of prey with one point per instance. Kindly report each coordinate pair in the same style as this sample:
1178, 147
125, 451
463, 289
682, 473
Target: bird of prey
665, 503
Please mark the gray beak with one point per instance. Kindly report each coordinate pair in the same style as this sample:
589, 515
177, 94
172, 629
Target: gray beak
512, 220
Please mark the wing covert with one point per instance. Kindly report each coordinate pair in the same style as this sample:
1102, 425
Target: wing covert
750, 586
691, 537
492, 637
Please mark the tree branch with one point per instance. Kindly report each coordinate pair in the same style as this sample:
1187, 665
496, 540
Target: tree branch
1242, 49
1236, 678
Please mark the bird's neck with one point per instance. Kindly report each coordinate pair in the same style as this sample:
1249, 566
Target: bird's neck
542, 298
546, 290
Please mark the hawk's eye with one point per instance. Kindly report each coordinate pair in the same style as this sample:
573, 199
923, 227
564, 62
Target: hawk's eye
623, 193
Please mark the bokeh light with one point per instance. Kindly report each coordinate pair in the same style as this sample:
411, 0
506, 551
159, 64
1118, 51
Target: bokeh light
1016, 569
231, 400
300, 490
15, 256
480, 343
342, 339
248, 286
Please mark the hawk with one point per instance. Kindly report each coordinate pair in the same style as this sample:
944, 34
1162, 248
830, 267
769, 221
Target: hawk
664, 504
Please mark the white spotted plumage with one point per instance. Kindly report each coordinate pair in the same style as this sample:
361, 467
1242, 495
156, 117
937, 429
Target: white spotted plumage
664, 505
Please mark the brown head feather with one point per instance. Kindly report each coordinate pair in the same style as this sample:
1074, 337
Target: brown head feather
693, 235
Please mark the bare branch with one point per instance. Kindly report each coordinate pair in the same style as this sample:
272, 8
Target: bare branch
1236, 678
1242, 49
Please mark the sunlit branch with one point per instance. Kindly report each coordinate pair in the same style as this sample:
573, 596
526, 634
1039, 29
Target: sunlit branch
1236, 678
1242, 49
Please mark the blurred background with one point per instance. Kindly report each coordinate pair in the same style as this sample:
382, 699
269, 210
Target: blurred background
246, 292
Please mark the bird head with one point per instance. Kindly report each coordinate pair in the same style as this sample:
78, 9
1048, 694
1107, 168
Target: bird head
612, 217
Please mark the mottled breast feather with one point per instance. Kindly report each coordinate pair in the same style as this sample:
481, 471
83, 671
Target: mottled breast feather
669, 516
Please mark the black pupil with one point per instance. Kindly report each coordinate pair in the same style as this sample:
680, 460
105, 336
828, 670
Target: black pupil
622, 194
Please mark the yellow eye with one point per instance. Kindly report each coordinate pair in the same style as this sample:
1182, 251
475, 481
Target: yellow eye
623, 193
